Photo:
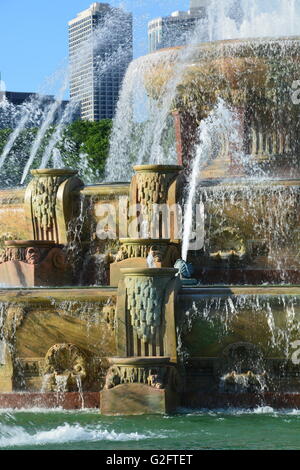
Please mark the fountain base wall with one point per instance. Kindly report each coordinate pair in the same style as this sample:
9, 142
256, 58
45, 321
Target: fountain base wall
66, 401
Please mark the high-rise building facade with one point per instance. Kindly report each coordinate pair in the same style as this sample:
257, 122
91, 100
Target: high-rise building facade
18, 98
100, 49
175, 30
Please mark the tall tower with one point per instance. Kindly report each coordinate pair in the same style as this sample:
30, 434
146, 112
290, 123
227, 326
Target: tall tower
175, 30
196, 4
100, 50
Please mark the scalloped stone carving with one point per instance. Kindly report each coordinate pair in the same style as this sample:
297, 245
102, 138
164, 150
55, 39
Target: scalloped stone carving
65, 368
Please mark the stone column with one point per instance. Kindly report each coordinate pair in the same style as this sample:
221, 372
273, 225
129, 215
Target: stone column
144, 378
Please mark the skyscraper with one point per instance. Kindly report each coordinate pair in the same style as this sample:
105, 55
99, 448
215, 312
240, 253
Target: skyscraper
100, 49
197, 4
174, 30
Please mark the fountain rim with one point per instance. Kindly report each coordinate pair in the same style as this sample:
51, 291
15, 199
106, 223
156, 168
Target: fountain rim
220, 183
29, 243
139, 361
145, 241
149, 272
54, 172
157, 168
229, 42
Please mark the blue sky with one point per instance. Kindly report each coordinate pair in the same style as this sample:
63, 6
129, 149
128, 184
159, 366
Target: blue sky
33, 35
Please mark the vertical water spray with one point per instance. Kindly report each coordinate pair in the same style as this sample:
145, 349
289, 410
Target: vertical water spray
90, 46
66, 118
53, 108
28, 113
220, 125
229, 19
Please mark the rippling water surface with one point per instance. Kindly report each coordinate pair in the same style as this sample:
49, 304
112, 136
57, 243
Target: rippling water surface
263, 428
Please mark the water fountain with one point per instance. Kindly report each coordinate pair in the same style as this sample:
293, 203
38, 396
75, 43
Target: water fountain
147, 341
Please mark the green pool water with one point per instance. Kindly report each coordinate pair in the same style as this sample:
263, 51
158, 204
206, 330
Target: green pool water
263, 428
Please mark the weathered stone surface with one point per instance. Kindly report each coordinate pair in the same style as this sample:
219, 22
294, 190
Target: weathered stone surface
34, 325
143, 308
116, 268
133, 254
128, 343
145, 291
156, 372
137, 399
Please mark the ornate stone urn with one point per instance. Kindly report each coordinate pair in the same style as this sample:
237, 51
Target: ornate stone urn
50, 207
150, 190
50, 203
145, 299
152, 218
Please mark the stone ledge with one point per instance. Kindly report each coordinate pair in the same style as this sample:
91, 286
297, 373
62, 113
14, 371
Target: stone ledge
67, 401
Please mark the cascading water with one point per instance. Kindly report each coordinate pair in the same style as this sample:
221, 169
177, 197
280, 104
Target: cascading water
79, 387
132, 133
143, 137
66, 118
31, 114
229, 19
275, 242
276, 316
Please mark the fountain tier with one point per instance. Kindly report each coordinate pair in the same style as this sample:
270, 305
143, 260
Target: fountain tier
255, 78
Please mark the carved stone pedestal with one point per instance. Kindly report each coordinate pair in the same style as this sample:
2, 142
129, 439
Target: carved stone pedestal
153, 220
133, 254
140, 385
34, 263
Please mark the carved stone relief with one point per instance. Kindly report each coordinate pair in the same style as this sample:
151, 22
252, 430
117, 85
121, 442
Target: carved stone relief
145, 295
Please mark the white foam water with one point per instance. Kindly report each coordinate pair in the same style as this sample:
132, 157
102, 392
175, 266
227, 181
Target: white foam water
14, 436
229, 19
259, 410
